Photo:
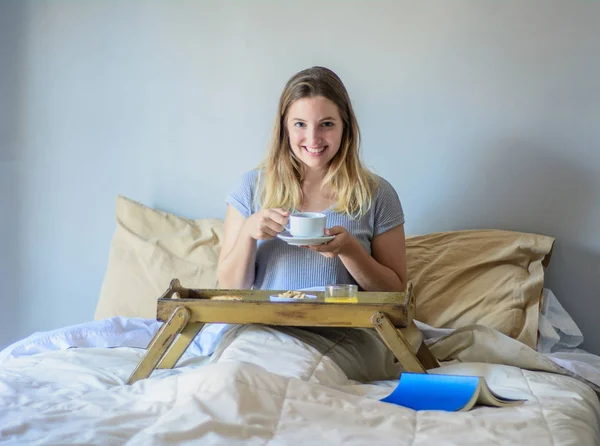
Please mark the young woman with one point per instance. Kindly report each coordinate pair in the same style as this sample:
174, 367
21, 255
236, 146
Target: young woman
313, 165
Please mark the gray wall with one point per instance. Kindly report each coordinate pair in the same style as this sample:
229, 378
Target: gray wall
10, 30
481, 114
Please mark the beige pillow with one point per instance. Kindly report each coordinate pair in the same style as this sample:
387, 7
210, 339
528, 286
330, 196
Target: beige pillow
488, 277
148, 249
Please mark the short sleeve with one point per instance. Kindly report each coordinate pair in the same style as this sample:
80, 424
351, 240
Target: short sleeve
387, 208
241, 196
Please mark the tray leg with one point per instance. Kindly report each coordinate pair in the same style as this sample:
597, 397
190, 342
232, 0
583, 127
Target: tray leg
160, 344
426, 357
180, 345
396, 341
415, 338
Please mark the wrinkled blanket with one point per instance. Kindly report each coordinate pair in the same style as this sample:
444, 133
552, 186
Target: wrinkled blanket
265, 387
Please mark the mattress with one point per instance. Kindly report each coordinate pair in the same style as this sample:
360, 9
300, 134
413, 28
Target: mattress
263, 387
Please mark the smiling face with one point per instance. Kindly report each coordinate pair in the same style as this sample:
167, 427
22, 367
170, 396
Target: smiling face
315, 131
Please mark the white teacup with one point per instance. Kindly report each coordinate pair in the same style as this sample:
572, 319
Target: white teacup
307, 224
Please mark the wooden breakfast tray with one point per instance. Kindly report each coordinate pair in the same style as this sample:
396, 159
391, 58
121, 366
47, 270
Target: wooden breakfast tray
185, 311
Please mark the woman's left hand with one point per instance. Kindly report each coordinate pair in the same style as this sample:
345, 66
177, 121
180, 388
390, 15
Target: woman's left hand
342, 241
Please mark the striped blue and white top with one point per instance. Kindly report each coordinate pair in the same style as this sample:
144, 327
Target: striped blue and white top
280, 266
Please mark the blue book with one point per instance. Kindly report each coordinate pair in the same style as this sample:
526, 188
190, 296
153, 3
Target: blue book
454, 393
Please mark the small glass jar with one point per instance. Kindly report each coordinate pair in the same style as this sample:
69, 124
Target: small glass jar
341, 293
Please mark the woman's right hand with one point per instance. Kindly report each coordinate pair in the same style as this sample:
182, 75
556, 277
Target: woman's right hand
267, 223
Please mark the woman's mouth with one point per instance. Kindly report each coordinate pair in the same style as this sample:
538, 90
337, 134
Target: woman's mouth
314, 151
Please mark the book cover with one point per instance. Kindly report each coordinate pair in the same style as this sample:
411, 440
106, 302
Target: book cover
422, 391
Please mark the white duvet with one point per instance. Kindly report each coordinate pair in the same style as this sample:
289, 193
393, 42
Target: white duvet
266, 388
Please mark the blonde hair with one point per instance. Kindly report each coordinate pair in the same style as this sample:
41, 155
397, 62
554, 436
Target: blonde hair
281, 173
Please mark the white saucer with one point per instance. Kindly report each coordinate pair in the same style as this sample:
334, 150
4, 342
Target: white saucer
276, 298
304, 241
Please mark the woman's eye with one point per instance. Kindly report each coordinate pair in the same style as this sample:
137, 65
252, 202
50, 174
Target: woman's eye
299, 124
327, 124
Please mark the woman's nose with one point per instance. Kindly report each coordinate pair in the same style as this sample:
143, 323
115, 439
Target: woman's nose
313, 137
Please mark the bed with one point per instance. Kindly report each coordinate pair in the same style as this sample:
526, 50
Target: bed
253, 384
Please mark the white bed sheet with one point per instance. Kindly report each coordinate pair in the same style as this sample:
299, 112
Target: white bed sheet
67, 386
266, 388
